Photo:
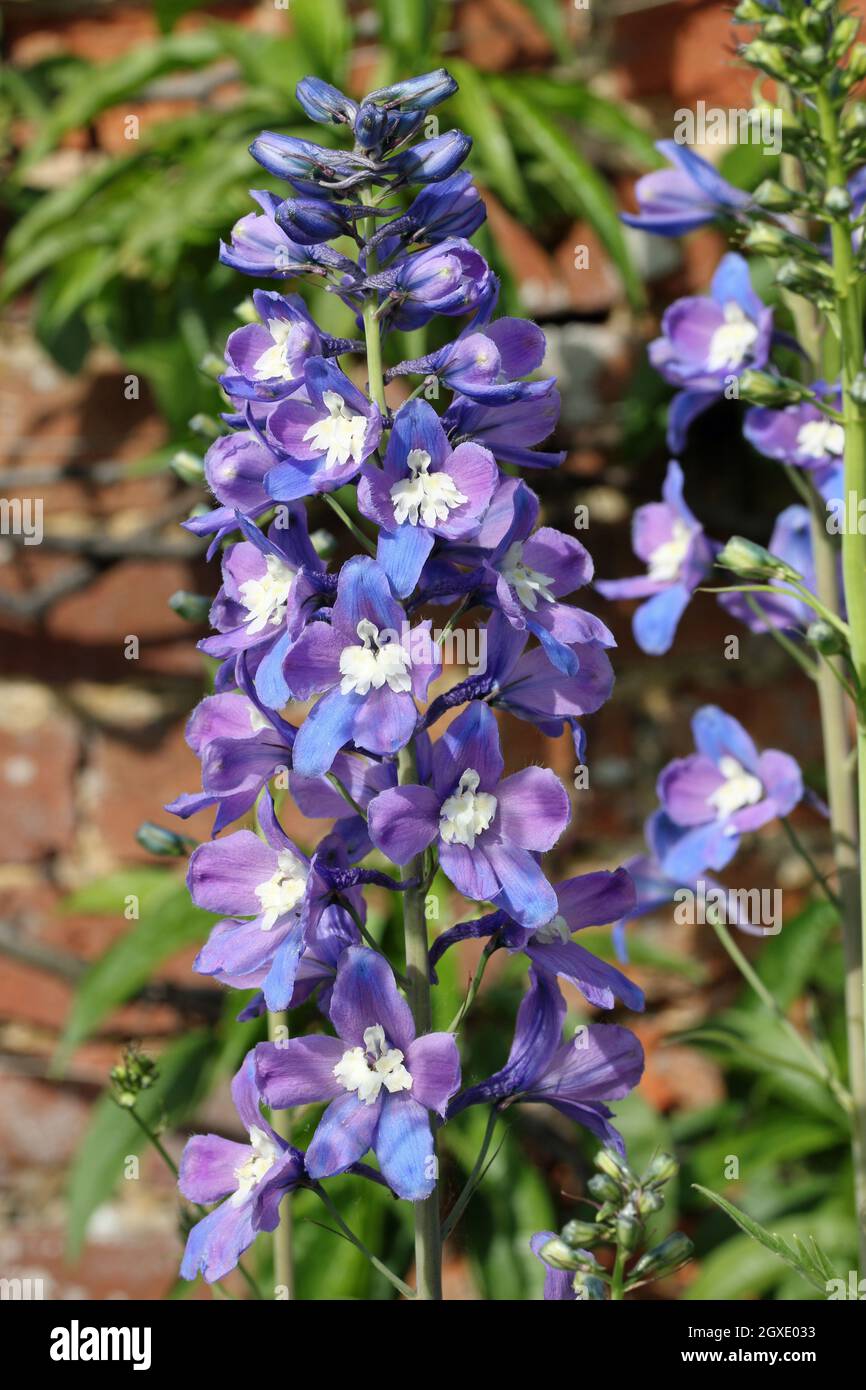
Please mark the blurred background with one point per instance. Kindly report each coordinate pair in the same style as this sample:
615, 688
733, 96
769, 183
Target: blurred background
123, 140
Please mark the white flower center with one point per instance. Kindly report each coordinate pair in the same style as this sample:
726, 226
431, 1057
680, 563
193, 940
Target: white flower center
530, 584
367, 1069
374, 663
666, 560
339, 434
467, 813
265, 599
733, 340
280, 893
557, 930
250, 1173
275, 360
426, 496
740, 788
819, 437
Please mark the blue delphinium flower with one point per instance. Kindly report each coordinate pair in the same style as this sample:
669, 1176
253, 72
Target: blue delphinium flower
680, 199
670, 540
711, 798
379, 1078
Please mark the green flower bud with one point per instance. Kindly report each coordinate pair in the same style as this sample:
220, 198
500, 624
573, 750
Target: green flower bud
765, 239
778, 29
760, 388
749, 12
837, 201
608, 1161
843, 36
751, 561
188, 467
664, 1258
825, 638
628, 1230
663, 1167
813, 59
206, 425
767, 56
589, 1289
212, 365
157, 840
246, 311
559, 1255
577, 1234
649, 1201
134, 1074
324, 543
857, 389
194, 608
775, 197
602, 1186
856, 69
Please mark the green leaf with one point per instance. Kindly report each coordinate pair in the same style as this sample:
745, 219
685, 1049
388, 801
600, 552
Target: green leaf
551, 17
576, 185
168, 12
407, 29
806, 1257
113, 1134
106, 84
477, 115
592, 113
168, 923
788, 960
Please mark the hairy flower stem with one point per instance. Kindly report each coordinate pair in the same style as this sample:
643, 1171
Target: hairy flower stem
428, 1243
617, 1279
854, 571
284, 1264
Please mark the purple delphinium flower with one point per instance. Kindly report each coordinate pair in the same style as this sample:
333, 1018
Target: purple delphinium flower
253, 1177
380, 1079
800, 434
717, 794
451, 208
527, 572
423, 490
680, 199
791, 541
273, 897
589, 900
706, 342
524, 683
558, 1283
368, 666
260, 247
485, 366
602, 1062
488, 831
323, 439
266, 359
270, 582
509, 431
670, 540
240, 748
450, 278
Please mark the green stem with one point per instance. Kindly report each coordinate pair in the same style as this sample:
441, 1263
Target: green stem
383, 1269
783, 640
799, 848
428, 1245
281, 1120
854, 571
365, 541
474, 1178
474, 987
617, 1278
750, 975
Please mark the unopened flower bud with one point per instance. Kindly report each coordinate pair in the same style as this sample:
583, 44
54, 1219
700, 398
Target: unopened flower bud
825, 638
663, 1167
751, 561
134, 1074
627, 1232
843, 36
602, 1186
193, 608
649, 1201
559, 1255
857, 389
760, 388
837, 200
749, 12
576, 1234
157, 840
206, 425
664, 1258
588, 1288
324, 543
767, 56
765, 239
608, 1161
188, 467
774, 196
856, 69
